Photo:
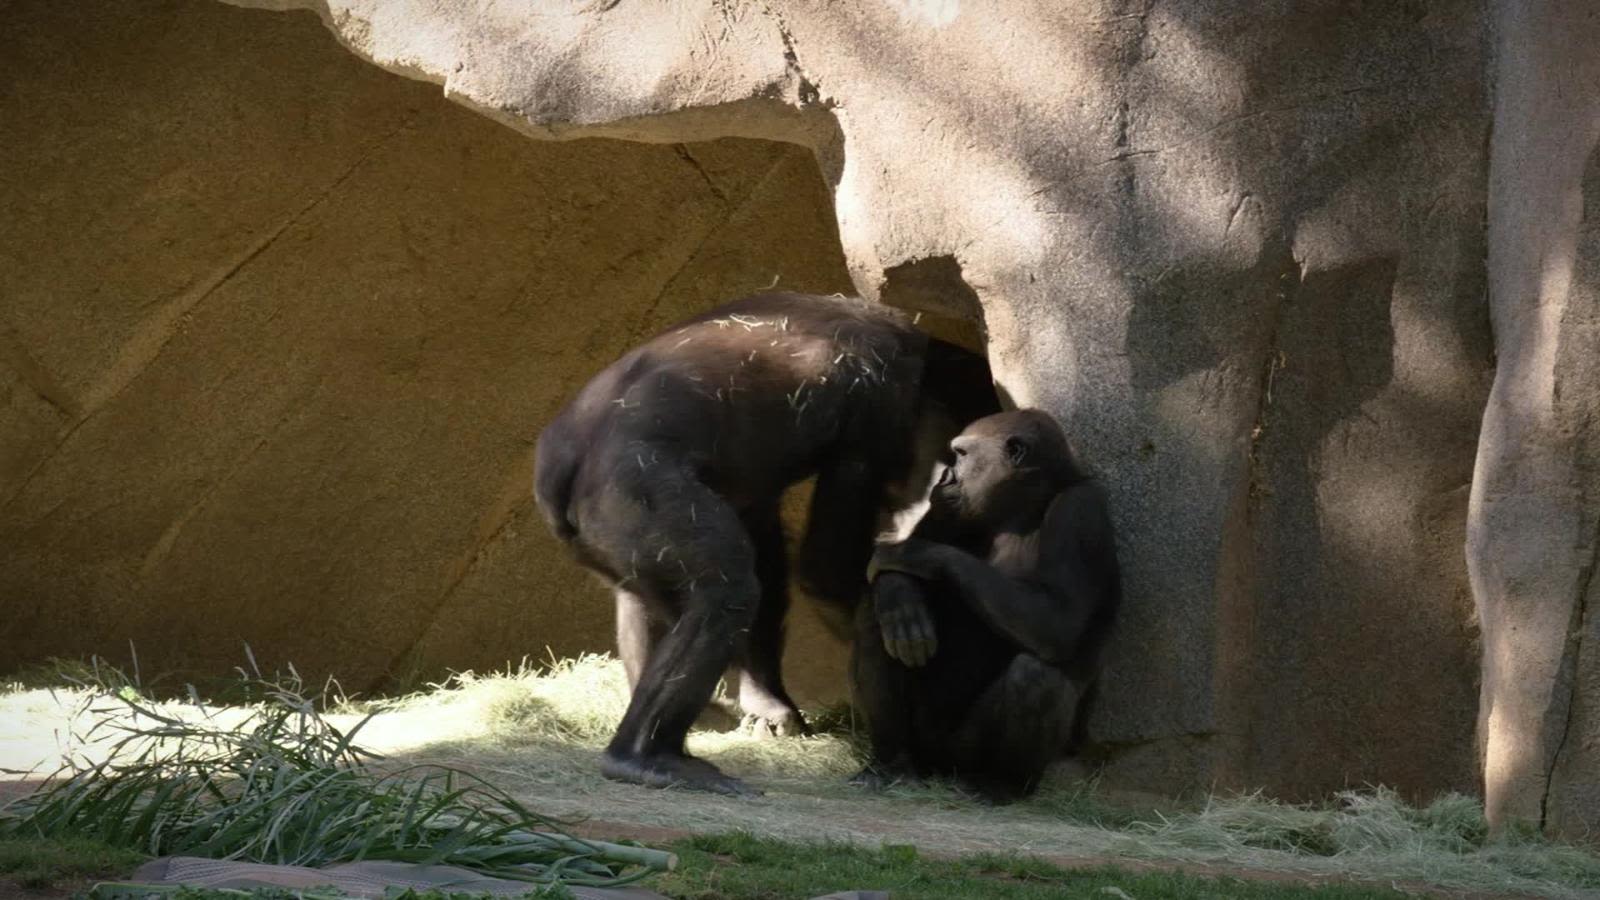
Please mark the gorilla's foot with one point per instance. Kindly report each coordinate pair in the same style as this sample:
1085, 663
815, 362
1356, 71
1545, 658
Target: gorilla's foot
768, 711
666, 770
788, 723
878, 776
992, 793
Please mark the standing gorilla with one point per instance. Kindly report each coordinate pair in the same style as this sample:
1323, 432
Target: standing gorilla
986, 624
665, 472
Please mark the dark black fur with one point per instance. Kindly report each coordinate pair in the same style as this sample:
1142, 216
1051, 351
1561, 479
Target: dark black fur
664, 475
986, 624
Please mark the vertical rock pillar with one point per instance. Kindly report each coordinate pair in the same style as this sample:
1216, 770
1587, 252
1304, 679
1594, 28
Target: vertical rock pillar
1534, 524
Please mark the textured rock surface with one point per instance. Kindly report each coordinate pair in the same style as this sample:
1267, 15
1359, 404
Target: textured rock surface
1535, 523
278, 330
1238, 248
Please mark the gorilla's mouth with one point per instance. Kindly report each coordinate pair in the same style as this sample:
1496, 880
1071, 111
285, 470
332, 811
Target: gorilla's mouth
946, 491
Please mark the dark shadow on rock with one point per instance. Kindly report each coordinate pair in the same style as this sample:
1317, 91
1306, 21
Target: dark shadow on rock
1199, 315
1337, 344
1321, 600
931, 284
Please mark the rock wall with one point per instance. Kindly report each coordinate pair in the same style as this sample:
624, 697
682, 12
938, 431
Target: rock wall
277, 331
1534, 535
1239, 248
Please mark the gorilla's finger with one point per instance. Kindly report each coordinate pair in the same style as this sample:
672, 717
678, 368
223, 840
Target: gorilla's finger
919, 654
914, 624
906, 625
916, 645
911, 655
891, 646
904, 652
928, 635
908, 655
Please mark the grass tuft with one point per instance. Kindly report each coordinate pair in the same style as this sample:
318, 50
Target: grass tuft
747, 866
38, 864
133, 891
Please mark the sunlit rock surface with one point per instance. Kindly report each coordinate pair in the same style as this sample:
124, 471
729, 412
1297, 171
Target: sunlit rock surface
1534, 531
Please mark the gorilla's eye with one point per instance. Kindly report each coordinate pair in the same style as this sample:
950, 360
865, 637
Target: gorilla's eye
1016, 450
959, 451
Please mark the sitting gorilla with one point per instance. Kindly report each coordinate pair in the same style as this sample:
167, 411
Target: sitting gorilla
986, 624
665, 472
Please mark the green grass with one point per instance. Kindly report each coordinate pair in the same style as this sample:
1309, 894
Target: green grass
40, 863
744, 866
114, 891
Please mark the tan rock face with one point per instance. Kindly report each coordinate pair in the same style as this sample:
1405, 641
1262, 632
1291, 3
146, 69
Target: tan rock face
279, 329
282, 331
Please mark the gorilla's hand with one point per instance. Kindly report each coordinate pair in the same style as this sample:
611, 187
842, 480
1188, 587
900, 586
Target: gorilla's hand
904, 620
912, 556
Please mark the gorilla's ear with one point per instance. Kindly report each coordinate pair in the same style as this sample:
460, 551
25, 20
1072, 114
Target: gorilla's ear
1016, 450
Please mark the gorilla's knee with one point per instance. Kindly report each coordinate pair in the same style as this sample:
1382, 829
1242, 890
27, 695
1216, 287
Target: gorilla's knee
1028, 669
1034, 685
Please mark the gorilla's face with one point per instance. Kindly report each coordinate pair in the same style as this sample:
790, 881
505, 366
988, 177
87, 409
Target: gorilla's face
999, 462
981, 466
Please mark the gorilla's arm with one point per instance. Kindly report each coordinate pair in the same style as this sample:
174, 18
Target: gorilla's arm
1074, 584
839, 533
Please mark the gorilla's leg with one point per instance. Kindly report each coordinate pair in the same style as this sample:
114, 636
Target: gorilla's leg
1020, 724
686, 546
637, 632
881, 691
639, 627
762, 697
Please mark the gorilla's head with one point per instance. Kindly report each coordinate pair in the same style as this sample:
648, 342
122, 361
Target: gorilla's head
1006, 467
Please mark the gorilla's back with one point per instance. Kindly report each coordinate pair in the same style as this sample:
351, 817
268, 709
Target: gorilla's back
750, 396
